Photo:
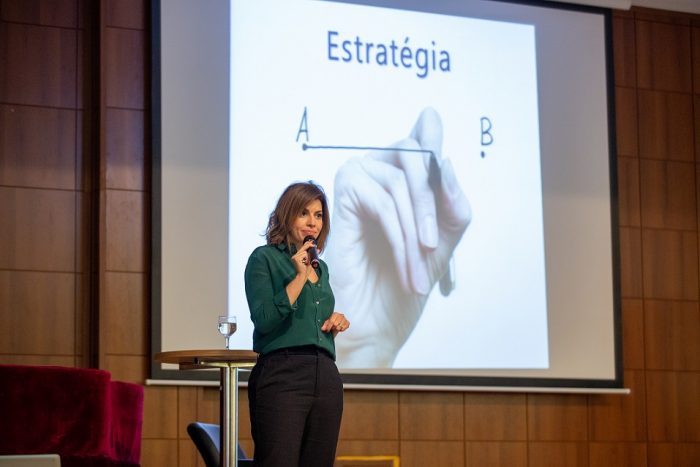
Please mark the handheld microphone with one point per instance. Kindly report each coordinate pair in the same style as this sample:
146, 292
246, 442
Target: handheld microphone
313, 252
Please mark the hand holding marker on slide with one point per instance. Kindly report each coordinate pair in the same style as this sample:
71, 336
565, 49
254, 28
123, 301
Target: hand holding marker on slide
399, 215
433, 143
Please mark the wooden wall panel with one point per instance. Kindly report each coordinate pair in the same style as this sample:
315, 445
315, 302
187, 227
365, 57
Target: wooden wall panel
208, 404
696, 108
38, 229
662, 17
160, 412
82, 321
125, 149
630, 262
663, 56
125, 231
670, 264
431, 416
83, 85
82, 169
159, 452
618, 454
186, 409
633, 334
697, 190
672, 406
624, 53
62, 13
37, 313
668, 195
626, 121
43, 64
125, 68
370, 415
125, 312
557, 455
557, 417
366, 448
674, 455
495, 417
125, 13
129, 368
41, 302
695, 37
619, 417
124, 223
244, 431
187, 454
672, 335
496, 454
628, 192
422, 453
52, 360
695, 45
38, 147
665, 125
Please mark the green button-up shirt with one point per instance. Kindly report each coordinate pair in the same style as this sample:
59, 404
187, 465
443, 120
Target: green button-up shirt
278, 323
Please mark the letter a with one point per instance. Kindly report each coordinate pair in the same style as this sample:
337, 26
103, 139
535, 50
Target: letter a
303, 127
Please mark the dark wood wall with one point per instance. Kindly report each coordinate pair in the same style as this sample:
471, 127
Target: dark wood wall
44, 261
74, 257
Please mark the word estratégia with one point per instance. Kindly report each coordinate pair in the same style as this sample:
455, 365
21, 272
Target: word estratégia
360, 51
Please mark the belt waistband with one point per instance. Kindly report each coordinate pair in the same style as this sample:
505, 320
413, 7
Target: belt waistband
298, 350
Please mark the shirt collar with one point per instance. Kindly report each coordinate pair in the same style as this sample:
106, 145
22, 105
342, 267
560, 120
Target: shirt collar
284, 247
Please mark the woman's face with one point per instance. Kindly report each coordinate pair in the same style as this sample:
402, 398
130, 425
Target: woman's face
308, 222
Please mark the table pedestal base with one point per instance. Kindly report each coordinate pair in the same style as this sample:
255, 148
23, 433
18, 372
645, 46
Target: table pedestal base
229, 416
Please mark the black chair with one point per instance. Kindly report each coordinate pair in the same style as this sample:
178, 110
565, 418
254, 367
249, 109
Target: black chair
206, 437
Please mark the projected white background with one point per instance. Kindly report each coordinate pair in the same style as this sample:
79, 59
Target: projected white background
293, 85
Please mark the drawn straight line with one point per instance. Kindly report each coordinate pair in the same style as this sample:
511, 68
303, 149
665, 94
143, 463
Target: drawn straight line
366, 148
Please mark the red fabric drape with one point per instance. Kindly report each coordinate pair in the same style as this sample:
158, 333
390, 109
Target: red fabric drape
77, 413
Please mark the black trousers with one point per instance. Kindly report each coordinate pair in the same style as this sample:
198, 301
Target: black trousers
296, 403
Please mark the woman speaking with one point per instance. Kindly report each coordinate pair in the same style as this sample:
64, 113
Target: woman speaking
294, 391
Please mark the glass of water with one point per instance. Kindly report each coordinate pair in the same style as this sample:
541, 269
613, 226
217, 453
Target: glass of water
227, 326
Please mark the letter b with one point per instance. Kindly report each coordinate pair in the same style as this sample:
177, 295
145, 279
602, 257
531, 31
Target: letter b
486, 136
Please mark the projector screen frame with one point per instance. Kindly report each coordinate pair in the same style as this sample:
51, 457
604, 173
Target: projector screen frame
384, 380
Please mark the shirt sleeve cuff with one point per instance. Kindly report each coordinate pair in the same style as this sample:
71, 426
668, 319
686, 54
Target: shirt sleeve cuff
282, 302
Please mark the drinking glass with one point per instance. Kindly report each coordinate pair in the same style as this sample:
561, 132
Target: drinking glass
227, 326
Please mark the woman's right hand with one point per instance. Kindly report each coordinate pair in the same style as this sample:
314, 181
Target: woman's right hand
301, 260
302, 264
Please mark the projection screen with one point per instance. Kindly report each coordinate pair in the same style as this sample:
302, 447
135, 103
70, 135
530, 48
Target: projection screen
467, 151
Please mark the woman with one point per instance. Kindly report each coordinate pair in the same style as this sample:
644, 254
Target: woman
295, 391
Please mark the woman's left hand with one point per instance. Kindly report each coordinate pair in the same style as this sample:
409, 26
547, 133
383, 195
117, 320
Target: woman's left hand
336, 323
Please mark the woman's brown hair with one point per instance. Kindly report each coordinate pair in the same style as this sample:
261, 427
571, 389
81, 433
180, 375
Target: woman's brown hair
290, 205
